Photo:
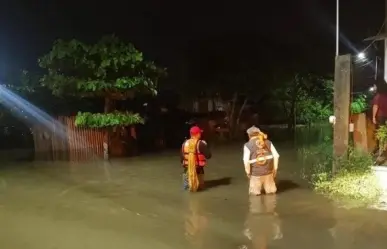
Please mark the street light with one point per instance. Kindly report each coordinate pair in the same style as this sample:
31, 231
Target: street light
361, 56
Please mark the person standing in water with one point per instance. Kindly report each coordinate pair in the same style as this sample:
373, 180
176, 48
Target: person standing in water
260, 159
379, 106
194, 155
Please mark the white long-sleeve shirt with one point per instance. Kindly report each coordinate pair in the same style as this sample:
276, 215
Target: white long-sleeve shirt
246, 156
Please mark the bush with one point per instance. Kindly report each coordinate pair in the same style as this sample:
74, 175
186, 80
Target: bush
381, 137
354, 178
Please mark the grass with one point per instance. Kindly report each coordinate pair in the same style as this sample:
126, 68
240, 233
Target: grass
353, 180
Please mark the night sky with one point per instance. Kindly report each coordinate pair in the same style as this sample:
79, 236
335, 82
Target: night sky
187, 34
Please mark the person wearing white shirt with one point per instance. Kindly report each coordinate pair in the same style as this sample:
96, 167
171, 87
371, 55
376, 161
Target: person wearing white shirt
260, 159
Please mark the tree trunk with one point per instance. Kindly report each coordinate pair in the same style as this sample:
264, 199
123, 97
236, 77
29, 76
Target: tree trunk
291, 117
240, 114
232, 114
107, 109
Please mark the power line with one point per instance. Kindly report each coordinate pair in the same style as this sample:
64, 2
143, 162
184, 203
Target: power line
374, 40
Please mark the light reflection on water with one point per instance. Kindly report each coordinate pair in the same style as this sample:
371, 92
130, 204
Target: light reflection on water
139, 203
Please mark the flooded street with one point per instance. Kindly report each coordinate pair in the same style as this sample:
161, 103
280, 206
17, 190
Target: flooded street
139, 203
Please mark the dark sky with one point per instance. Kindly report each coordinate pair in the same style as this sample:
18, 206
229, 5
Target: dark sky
176, 33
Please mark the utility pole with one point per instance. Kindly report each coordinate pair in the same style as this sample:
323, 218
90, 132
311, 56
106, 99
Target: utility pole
341, 98
341, 101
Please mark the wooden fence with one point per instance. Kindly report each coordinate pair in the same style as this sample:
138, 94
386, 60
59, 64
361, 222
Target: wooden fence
64, 141
83, 144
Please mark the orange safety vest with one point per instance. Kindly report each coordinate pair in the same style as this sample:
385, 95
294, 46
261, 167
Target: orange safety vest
200, 159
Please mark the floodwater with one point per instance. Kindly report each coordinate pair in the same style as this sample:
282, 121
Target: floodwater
139, 203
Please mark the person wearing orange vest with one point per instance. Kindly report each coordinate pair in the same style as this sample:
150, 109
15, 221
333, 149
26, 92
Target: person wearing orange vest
260, 158
194, 155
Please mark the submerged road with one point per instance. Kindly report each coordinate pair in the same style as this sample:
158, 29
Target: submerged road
139, 203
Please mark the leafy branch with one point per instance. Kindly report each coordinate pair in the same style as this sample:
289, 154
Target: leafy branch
102, 120
110, 65
359, 105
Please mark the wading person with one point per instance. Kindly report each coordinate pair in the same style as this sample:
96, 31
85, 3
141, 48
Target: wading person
379, 111
379, 107
260, 159
194, 155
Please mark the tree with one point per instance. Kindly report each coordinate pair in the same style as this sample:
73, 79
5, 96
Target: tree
238, 89
110, 69
235, 88
304, 98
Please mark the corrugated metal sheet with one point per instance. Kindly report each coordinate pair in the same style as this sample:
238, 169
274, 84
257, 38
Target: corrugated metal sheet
65, 141
59, 141
83, 143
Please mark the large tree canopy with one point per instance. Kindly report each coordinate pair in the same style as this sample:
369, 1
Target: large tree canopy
303, 98
110, 68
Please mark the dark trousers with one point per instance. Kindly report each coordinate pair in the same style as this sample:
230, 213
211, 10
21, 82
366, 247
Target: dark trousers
199, 171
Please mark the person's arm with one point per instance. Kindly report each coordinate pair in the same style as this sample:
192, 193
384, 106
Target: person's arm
246, 159
204, 149
275, 154
375, 108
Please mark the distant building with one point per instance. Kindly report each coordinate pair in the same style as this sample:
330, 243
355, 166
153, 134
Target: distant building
203, 105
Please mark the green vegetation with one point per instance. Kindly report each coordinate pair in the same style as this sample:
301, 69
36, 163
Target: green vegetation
100, 120
359, 104
304, 98
354, 179
110, 69
381, 137
308, 99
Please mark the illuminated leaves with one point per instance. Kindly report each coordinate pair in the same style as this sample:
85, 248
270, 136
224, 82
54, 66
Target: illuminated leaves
359, 104
110, 65
110, 68
101, 120
305, 98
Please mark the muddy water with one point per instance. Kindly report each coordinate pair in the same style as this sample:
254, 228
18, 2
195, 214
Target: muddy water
139, 203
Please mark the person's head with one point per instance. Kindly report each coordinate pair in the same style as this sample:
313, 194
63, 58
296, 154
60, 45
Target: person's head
195, 132
254, 132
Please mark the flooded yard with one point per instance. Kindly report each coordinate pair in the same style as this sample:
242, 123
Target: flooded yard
140, 203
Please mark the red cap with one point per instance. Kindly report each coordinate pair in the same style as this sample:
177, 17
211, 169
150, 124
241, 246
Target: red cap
195, 130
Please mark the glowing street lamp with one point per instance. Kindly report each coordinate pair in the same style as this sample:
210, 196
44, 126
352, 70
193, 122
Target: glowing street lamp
361, 56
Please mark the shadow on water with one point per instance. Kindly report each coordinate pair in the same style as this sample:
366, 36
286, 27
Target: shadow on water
217, 182
286, 185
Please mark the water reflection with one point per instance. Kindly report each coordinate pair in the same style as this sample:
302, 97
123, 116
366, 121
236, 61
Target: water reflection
262, 224
130, 205
195, 222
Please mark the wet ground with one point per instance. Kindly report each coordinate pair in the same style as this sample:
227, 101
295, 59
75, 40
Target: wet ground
139, 203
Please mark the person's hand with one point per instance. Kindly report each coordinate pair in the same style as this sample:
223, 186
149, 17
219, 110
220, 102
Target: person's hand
248, 174
374, 120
